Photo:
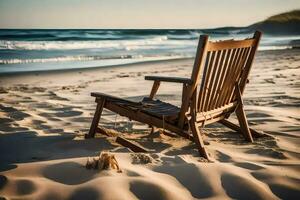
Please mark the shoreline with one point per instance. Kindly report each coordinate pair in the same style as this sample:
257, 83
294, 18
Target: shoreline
56, 71
120, 65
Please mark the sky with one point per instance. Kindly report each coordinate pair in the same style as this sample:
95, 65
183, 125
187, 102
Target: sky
138, 13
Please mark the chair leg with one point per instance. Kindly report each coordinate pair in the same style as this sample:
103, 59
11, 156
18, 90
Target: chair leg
96, 119
198, 139
240, 113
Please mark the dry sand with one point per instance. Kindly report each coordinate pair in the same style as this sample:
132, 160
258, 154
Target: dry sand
43, 117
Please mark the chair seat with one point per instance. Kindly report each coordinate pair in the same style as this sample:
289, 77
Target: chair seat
152, 107
160, 109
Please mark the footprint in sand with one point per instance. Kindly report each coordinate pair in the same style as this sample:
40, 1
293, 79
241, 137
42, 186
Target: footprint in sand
24, 187
3, 181
69, 173
86, 193
192, 178
237, 187
67, 113
13, 113
279, 189
249, 166
147, 191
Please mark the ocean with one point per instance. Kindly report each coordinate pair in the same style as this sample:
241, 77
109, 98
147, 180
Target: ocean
24, 50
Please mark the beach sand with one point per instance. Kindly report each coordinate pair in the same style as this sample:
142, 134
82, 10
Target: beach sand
44, 116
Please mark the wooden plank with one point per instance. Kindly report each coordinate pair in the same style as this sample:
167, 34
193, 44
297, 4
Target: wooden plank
212, 81
240, 113
222, 79
230, 44
154, 89
240, 71
236, 128
212, 113
231, 81
184, 92
216, 81
169, 79
195, 77
257, 36
198, 138
131, 145
107, 132
207, 81
228, 75
145, 118
203, 86
96, 119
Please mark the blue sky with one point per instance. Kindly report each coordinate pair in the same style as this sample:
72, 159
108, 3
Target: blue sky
138, 13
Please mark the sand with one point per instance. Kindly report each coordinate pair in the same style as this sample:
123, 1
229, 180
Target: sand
45, 115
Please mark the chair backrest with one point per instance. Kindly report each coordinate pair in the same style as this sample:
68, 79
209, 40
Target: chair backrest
224, 65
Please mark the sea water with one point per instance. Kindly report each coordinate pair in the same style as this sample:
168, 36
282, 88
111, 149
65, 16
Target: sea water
24, 50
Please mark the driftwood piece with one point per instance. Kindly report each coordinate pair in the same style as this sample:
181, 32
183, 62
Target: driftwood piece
131, 145
105, 161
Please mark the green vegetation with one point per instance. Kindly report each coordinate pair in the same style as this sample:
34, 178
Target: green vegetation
285, 17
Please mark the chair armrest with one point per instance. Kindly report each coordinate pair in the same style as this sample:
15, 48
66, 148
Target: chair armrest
169, 79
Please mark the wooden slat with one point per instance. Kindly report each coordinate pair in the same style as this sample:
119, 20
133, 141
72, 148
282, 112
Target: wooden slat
107, 132
213, 80
195, 77
212, 113
238, 71
230, 44
231, 81
244, 78
169, 79
154, 89
236, 128
132, 146
203, 86
214, 88
145, 118
96, 118
227, 77
209, 77
220, 88
240, 113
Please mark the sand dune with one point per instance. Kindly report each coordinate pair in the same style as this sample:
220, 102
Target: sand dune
45, 115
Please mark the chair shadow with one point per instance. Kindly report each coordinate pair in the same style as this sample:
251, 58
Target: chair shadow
28, 146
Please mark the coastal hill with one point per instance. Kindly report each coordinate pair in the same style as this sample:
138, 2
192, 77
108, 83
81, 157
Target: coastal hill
284, 24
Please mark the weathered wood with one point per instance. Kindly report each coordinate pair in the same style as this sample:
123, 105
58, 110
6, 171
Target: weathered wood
145, 118
245, 75
107, 132
198, 138
236, 128
195, 77
154, 89
96, 119
216, 112
240, 113
169, 79
225, 64
230, 44
220, 87
203, 86
131, 145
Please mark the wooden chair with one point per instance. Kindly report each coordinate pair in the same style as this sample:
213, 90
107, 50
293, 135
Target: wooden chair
212, 97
